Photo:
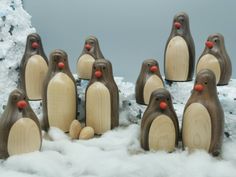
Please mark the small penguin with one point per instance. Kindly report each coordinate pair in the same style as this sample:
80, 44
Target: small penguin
59, 93
159, 126
90, 53
215, 58
149, 79
203, 117
180, 51
33, 68
20, 130
102, 98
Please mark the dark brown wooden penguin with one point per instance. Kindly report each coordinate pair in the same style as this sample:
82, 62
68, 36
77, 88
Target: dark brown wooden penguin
102, 98
90, 53
159, 126
149, 79
33, 68
59, 93
180, 51
215, 58
203, 117
20, 131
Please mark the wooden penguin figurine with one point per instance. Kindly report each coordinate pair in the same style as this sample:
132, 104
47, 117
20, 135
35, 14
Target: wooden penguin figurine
102, 98
33, 68
159, 126
20, 131
59, 93
215, 58
180, 51
203, 117
90, 53
148, 80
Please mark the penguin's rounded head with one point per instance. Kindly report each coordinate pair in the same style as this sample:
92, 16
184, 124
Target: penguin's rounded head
150, 66
181, 21
33, 42
58, 59
205, 81
90, 45
160, 100
214, 41
17, 99
101, 68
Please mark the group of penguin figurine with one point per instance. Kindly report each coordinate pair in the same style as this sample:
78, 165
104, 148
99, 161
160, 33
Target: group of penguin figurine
53, 83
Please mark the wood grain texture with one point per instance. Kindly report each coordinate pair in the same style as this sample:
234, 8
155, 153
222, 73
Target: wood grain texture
61, 101
177, 60
197, 127
153, 83
98, 108
35, 73
24, 137
162, 134
209, 61
84, 66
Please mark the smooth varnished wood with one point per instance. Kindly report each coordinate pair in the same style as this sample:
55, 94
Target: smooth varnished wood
84, 66
61, 101
153, 83
36, 70
177, 60
86, 133
75, 128
24, 137
162, 134
197, 127
98, 108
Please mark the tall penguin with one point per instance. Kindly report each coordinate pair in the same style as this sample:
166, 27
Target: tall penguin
215, 58
203, 117
180, 51
33, 68
59, 93
159, 126
20, 131
149, 79
90, 53
102, 98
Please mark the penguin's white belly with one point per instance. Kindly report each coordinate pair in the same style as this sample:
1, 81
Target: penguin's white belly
98, 108
35, 72
24, 137
209, 61
177, 60
61, 101
197, 127
153, 83
85, 66
162, 134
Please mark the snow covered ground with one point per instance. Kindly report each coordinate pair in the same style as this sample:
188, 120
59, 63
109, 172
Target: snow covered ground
118, 152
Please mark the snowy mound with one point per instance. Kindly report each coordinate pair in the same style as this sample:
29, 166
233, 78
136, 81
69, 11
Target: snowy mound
118, 152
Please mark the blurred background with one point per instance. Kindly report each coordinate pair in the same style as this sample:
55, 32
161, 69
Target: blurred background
129, 31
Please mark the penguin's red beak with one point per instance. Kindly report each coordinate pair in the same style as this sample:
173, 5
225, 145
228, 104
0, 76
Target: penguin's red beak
177, 25
61, 65
88, 47
209, 44
198, 87
21, 104
163, 105
35, 45
153, 69
98, 74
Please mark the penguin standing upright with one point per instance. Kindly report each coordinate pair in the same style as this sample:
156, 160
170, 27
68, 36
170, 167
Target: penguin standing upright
102, 98
159, 126
215, 58
90, 53
33, 68
20, 131
180, 51
59, 93
148, 80
203, 117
